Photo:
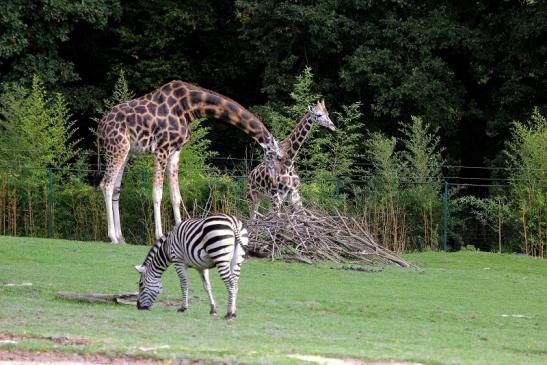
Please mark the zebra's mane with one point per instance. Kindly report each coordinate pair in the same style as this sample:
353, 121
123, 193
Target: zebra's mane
154, 250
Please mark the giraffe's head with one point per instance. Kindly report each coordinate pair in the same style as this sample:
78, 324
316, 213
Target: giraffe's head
274, 157
320, 115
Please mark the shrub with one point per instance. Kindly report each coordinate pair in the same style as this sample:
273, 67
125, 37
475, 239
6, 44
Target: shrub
527, 159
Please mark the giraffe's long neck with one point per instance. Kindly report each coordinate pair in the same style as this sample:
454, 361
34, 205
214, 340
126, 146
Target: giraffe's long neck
294, 141
207, 104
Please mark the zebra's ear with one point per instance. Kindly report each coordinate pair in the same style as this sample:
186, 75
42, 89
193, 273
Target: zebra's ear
140, 268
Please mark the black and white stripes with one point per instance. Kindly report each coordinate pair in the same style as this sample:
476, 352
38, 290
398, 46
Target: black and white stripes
201, 243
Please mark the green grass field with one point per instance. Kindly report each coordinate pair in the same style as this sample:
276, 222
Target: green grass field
460, 308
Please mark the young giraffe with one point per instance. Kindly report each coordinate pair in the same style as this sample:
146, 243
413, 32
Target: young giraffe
158, 123
285, 181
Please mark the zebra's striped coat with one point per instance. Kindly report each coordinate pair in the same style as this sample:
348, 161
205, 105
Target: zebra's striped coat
201, 243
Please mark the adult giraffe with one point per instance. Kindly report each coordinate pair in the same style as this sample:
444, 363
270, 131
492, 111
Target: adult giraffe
158, 123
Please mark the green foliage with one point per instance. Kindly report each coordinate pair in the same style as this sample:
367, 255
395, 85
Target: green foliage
37, 132
527, 158
120, 94
456, 64
345, 144
381, 203
492, 212
402, 197
387, 166
33, 34
423, 160
303, 94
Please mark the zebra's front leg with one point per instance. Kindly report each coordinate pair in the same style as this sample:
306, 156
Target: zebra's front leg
204, 274
181, 272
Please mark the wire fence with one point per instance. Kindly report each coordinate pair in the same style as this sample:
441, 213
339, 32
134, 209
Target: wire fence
67, 203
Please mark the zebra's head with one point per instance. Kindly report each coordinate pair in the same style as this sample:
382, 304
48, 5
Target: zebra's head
149, 288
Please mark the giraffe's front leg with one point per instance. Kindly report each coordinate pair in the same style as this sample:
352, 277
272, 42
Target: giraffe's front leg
296, 200
108, 189
276, 200
116, 202
253, 202
157, 192
111, 180
174, 189
180, 268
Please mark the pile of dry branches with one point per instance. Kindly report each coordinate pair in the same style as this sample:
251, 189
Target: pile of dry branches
310, 236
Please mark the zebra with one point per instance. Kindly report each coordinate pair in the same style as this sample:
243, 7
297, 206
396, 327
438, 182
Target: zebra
201, 243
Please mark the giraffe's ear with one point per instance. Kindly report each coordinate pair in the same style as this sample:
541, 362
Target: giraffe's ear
140, 268
323, 103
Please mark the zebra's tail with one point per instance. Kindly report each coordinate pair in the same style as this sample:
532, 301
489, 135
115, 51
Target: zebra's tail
238, 243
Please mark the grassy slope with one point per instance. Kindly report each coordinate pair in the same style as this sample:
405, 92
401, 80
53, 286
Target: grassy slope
448, 313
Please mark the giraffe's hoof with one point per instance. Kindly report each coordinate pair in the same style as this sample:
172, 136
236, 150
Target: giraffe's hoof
230, 316
182, 309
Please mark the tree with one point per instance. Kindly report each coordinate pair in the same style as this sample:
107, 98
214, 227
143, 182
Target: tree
37, 38
423, 161
492, 212
469, 69
527, 159
37, 131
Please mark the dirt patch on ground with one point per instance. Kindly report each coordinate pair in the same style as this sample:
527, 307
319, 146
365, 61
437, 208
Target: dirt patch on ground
23, 357
333, 361
17, 357
8, 338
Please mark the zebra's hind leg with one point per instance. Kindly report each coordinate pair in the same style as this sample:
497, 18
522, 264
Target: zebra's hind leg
204, 274
181, 272
230, 280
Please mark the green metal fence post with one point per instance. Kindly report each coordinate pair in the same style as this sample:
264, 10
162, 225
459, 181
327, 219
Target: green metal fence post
239, 192
445, 231
338, 183
50, 203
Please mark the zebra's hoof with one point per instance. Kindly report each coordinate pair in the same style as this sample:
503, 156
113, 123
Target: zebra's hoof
213, 312
230, 316
182, 309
